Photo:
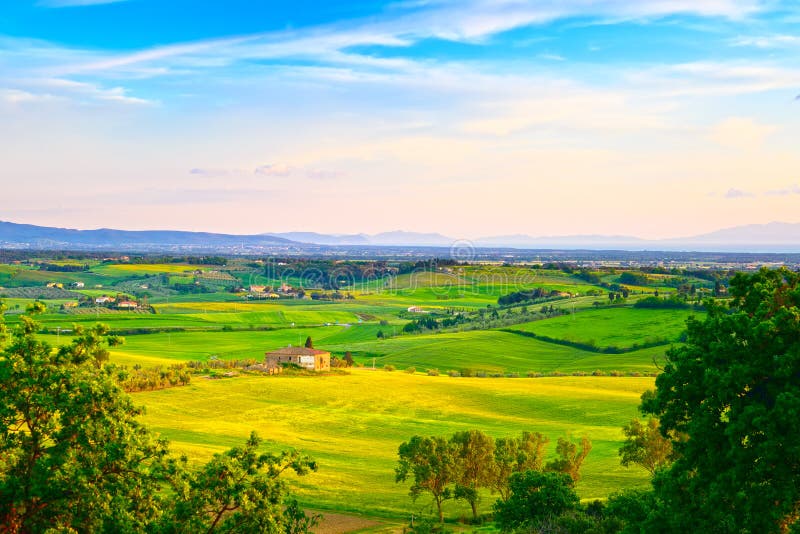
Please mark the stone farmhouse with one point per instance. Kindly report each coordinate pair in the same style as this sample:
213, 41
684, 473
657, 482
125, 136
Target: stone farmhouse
310, 359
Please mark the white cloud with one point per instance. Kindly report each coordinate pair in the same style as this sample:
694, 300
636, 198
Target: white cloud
767, 41
275, 169
741, 133
738, 193
75, 3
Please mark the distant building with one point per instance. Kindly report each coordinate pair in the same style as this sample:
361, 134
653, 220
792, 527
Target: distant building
127, 304
104, 300
258, 289
310, 359
57, 285
78, 285
415, 309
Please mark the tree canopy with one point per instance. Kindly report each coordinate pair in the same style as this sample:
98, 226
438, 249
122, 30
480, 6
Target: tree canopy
75, 458
734, 391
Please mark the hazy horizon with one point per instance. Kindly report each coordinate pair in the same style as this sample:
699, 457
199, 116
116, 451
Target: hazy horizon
470, 119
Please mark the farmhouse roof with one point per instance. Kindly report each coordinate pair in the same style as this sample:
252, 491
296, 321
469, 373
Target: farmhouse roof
296, 351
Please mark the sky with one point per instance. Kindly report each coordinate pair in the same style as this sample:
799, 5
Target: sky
472, 118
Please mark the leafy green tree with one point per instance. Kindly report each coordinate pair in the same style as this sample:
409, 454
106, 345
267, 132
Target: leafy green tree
570, 458
535, 496
432, 464
348, 359
645, 446
74, 458
734, 390
240, 491
72, 454
474, 452
515, 455
309, 344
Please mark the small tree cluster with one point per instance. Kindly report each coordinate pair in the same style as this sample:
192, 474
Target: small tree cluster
461, 466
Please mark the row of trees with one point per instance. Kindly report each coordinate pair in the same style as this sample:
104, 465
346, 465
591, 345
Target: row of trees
75, 458
461, 466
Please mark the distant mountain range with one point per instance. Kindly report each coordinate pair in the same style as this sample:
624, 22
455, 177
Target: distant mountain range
46, 237
772, 237
775, 236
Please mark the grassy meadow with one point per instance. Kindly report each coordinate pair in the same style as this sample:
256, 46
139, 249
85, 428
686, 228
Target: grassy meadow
352, 424
353, 421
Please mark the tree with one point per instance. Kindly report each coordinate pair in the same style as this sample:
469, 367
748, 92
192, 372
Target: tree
74, 457
645, 446
241, 491
309, 344
570, 459
515, 455
432, 464
348, 358
732, 389
474, 452
535, 496
72, 453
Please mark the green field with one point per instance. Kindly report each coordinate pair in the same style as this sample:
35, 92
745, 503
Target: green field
621, 327
352, 425
353, 422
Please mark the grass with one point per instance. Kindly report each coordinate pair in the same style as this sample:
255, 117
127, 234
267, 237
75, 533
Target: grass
614, 327
491, 351
353, 424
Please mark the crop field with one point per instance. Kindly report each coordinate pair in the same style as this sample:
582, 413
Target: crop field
490, 351
141, 269
353, 421
620, 327
353, 424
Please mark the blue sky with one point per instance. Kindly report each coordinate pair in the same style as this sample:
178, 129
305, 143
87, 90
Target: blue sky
475, 117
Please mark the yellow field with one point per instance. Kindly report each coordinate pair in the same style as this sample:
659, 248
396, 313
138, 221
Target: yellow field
352, 424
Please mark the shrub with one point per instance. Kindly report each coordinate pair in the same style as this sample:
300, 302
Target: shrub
480, 374
453, 373
598, 372
533, 374
467, 372
616, 373
512, 375
433, 372
389, 367
411, 370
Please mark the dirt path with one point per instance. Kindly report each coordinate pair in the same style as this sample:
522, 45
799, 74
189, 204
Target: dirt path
342, 523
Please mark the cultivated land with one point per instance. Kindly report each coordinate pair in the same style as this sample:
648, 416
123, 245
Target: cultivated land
352, 424
353, 421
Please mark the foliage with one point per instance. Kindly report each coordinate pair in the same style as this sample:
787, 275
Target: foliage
432, 464
732, 389
239, 491
671, 303
516, 455
75, 458
570, 458
474, 453
535, 496
73, 453
645, 446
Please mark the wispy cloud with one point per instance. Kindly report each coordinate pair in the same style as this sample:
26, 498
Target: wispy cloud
742, 133
793, 190
733, 193
75, 3
767, 41
272, 170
